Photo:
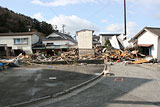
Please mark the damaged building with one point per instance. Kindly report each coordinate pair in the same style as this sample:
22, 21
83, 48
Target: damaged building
15, 43
56, 43
148, 39
105, 37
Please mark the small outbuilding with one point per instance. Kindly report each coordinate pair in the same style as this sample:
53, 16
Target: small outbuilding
148, 39
85, 41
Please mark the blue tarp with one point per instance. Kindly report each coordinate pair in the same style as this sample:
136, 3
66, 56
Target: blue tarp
1, 64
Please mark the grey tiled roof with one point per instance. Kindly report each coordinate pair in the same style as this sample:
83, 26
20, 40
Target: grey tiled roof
61, 36
154, 30
151, 29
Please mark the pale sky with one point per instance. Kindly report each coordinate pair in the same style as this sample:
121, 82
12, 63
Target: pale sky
103, 16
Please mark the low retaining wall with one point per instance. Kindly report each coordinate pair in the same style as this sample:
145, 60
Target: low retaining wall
70, 62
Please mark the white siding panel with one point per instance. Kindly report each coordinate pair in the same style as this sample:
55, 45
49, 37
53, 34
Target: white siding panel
158, 55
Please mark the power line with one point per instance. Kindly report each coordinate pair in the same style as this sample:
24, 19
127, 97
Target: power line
53, 11
97, 11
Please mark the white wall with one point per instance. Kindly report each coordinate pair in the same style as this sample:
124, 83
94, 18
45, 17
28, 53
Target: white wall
101, 40
9, 41
85, 39
114, 42
158, 54
150, 38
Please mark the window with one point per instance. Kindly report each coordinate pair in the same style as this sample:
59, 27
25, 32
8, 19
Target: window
24, 41
50, 44
21, 41
17, 41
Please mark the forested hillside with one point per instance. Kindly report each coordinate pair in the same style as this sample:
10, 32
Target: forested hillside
15, 22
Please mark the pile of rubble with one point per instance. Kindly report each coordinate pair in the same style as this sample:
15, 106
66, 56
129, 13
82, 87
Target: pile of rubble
114, 55
14, 62
109, 55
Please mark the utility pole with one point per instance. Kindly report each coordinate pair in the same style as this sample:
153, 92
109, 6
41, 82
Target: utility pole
125, 23
63, 27
55, 27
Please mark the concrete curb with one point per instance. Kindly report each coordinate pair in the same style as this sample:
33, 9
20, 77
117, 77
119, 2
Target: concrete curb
26, 103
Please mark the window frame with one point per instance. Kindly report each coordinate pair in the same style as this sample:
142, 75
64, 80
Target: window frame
21, 41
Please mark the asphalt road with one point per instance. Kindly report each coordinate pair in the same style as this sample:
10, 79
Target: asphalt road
26, 83
132, 86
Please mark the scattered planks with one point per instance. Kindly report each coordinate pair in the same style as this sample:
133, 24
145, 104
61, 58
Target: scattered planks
145, 60
140, 61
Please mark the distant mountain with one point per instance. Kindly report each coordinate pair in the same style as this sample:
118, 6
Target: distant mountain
15, 22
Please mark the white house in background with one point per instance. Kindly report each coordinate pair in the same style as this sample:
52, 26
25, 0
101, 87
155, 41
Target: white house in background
85, 41
104, 37
149, 41
18, 41
59, 40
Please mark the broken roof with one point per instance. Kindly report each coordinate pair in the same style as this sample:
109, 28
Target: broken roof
18, 33
109, 34
154, 30
59, 36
